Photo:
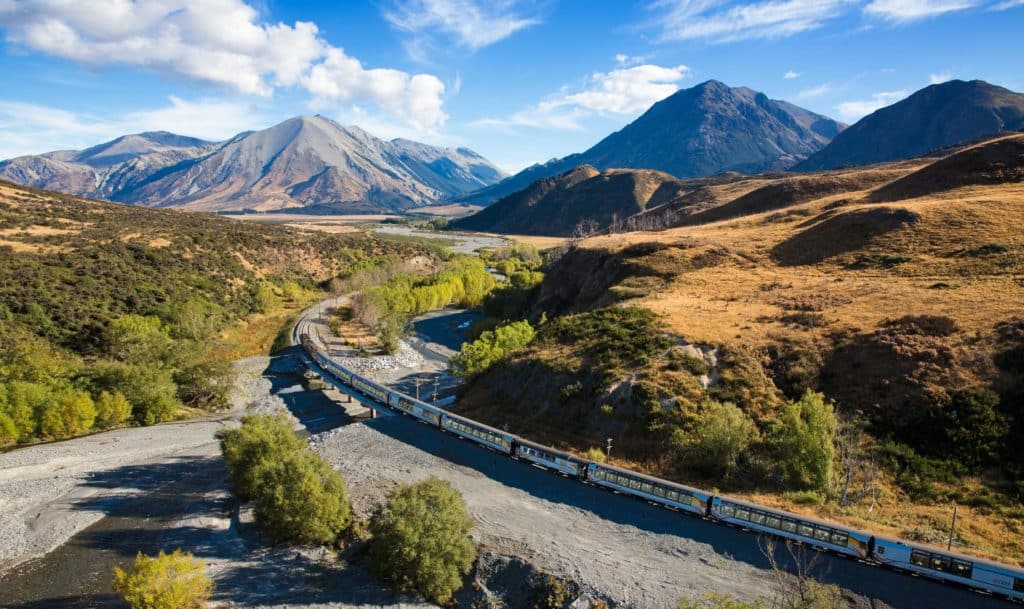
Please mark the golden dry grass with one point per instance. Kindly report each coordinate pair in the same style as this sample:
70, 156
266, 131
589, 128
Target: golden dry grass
805, 258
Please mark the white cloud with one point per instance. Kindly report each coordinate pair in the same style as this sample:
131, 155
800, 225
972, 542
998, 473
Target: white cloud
912, 10
939, 78
854, 110
632, 60
790, 75
216, 41
725, 21
618, 92
470, 23
1008, 4
32, 129
814, 91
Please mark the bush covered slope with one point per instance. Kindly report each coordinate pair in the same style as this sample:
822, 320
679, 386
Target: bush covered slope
103, 305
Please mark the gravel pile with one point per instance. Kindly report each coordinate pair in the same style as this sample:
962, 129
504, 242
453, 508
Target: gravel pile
406, 357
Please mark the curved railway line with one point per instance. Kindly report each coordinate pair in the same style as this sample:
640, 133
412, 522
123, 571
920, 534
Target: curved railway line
983, 576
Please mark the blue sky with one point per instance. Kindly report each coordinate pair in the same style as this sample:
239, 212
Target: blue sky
518, 81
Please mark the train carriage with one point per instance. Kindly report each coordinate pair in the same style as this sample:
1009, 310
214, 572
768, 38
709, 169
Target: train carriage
545, 456
950, 566
650, 488
478, 432
370, 389
791, 526
420, 410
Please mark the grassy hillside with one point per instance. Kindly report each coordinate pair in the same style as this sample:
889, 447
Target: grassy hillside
904, 311
103, 305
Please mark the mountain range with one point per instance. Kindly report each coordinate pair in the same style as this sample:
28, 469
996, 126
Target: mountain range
303, 162
935, 117
707, 129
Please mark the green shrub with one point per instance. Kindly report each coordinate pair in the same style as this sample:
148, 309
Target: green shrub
803, 438
596, 454
721, 433
526, 280
300, 499
150, 390
68, 413
264, 298
613, 336
168, 581
713, 600
112, 409
259, 438
24, 401
974, 427
492, 347
421, 539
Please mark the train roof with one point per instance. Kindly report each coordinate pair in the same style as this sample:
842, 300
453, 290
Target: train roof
629, 472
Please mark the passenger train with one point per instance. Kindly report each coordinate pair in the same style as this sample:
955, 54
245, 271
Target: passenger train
986, 576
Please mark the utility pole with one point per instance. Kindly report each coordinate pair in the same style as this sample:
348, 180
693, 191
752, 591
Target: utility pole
437, 382
608, 449
417, 381
952, 530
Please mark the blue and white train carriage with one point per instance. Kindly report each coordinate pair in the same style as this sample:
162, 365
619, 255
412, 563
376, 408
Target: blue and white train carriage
416, 408
485, 435
549, 458
811, 531
949, 566
648, 487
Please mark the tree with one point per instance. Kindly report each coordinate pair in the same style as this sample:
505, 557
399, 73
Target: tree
492, 346
803, 437
70, 413
139, 339
421, 539
292, 291
196, 319
259, 438
24, 401
150, 390
112, 408
719, 436
301, 499
974, 427
168, 581
264, 298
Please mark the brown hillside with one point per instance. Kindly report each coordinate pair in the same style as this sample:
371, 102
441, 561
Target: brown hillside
891, 309
998, 161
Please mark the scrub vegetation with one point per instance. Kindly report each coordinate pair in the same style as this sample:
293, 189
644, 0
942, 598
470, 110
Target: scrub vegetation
167, 581
298, 497
421, 540
112, 315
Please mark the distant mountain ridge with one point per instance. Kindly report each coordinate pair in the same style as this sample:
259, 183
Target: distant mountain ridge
935, 117
708, 129
301, 162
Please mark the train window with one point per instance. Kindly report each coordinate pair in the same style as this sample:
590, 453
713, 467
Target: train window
1018, 585
673, 496
839, 538
659, 491
805, 529
940, 563
634, 484
647, 487
919, 558
822, 534
773, 522
757, 518
788, 526
743, 514
962, 568
727, 510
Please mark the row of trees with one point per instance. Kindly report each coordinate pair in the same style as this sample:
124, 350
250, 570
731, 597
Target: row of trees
144, 371
387, 307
